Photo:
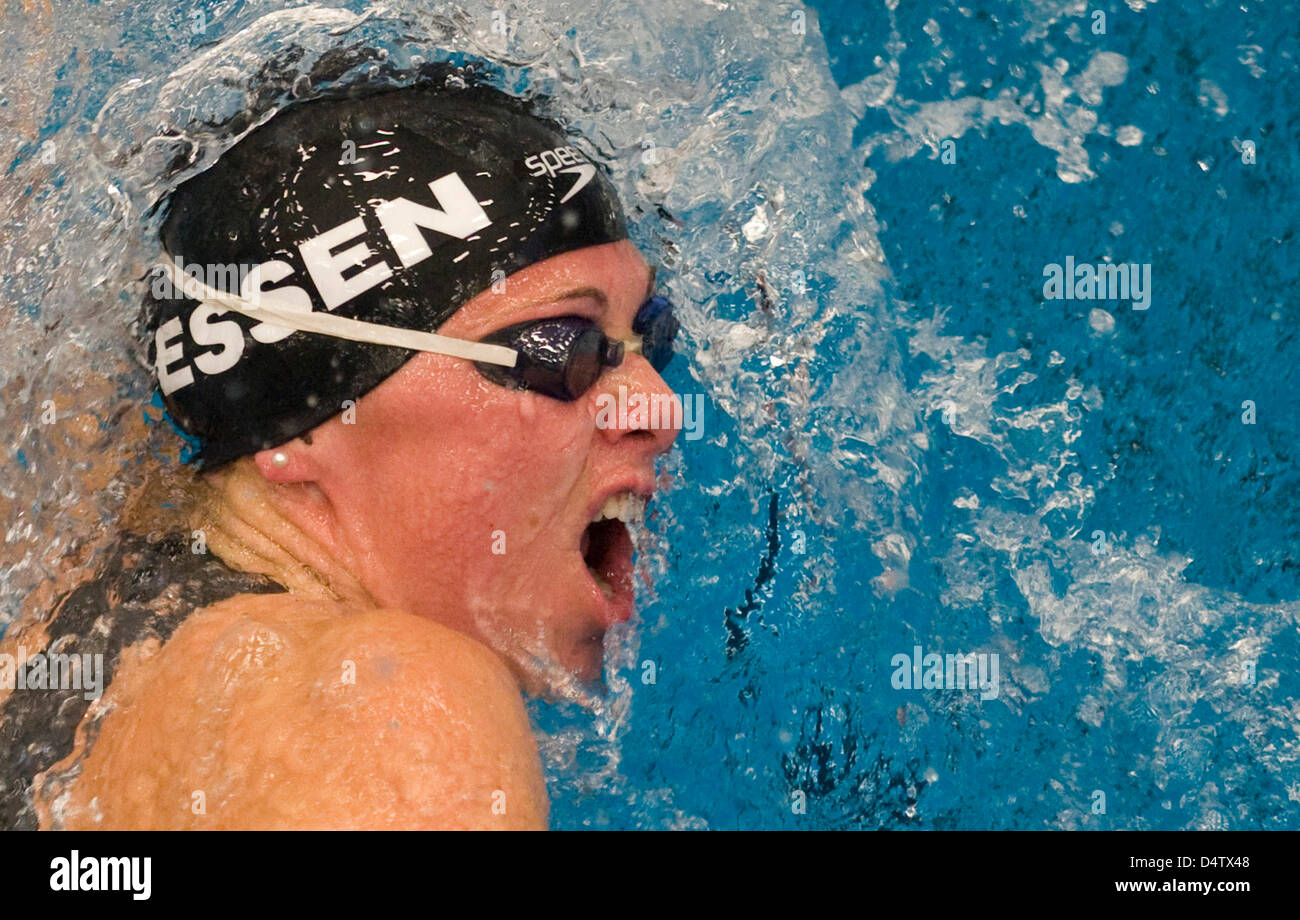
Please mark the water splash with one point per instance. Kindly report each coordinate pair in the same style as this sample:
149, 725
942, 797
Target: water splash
870, 477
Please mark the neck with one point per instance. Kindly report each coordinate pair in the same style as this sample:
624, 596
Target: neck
249, 530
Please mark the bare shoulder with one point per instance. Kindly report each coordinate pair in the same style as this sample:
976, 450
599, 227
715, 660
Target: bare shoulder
271, 711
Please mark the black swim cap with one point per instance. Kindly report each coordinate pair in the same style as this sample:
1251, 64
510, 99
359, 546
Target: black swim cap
392, 208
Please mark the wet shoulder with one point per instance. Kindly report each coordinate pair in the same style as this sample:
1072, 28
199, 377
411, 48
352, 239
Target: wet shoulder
274, 711
53, 669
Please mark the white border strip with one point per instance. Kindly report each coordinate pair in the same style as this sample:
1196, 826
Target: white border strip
340, 327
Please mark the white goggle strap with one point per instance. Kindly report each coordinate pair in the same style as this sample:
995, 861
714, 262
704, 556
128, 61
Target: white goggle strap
340, 327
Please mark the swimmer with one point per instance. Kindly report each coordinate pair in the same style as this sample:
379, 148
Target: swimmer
409, 513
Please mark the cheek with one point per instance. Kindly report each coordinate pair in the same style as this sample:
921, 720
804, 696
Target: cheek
523, 480
445, 467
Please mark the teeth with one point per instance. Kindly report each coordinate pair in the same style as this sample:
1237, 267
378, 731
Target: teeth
625, 506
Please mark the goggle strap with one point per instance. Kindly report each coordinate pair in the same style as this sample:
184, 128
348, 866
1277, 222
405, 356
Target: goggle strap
341, 327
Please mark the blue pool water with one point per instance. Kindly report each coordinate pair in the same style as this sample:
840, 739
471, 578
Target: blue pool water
1123, 672
905, 443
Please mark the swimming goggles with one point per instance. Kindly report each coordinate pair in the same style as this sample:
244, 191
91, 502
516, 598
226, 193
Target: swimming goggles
561, 357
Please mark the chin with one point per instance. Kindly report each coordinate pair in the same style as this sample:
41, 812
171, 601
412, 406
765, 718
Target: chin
576, 665
580, 659
588, 659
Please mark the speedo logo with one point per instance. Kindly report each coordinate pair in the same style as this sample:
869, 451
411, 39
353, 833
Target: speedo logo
562, 160
340, 265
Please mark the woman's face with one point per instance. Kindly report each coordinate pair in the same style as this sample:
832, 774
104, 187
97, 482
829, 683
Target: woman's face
470, 503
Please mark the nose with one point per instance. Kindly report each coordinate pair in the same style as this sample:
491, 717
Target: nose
632, 403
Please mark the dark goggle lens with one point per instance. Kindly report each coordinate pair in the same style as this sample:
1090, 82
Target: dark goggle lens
589, 355
657, 326
562, 358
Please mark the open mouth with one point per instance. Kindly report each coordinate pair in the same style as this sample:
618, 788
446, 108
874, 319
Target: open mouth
607, 552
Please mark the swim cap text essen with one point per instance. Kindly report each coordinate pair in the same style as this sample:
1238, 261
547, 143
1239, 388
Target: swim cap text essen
393, 209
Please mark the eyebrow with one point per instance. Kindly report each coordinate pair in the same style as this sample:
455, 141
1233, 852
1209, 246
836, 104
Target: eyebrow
578, 293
